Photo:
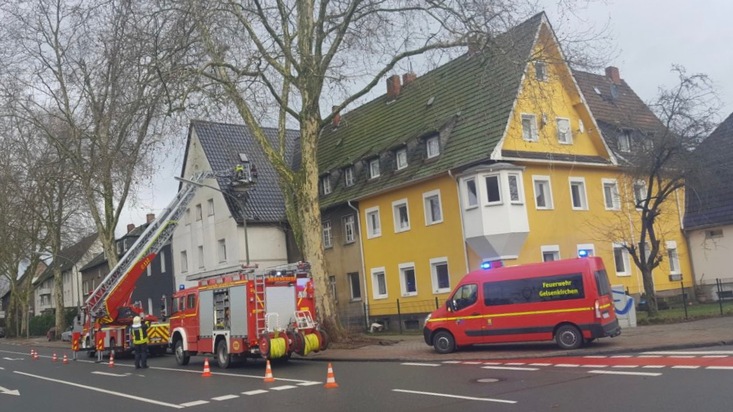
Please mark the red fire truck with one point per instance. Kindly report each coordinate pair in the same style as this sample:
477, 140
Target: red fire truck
248, 313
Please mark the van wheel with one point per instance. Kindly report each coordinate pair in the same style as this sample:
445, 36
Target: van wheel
443, 342
568, 337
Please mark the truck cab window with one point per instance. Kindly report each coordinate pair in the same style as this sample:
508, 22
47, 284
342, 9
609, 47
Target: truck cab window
465, 296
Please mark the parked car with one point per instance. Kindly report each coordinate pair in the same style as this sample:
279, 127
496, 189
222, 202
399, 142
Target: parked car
66, 335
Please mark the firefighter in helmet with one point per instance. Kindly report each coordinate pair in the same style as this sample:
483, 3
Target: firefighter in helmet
139, 333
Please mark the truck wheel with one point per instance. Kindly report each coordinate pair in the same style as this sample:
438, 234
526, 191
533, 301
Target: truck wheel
222, 355
568, 337
443, 342
182, 357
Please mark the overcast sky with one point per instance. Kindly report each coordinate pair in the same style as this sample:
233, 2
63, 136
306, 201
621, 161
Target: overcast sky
649, 36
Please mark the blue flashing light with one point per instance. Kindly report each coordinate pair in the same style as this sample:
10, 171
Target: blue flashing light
181, 287
485, 265
582, 253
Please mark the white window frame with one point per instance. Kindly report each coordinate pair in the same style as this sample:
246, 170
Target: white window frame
428, 198
184, 261
397, 206
374, 171
625, 257
540, 70
326, 185
403, 268
210, 204
353, 278
349, 176
586, 246
432, 147
550, 249
564, 137
578, 182
615, 198
546, 183
375, 272
349, 223
434, 263
373, 230
624, 141
497, 178
327, 232
640, 193
469, 203
401, 158
673, 257
222, 248
533, 136
518, 191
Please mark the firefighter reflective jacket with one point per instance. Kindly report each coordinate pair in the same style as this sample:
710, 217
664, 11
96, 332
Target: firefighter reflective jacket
139, 335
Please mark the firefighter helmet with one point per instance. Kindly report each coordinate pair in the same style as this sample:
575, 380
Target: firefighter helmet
136, 321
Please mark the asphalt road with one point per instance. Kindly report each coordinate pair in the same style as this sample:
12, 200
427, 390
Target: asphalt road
671, 381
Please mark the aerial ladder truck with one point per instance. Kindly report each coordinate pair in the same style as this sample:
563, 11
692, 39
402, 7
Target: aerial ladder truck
108, 310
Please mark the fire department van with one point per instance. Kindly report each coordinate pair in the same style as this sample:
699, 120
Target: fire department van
567, 300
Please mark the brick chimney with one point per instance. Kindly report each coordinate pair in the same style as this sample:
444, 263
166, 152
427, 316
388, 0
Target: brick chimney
408, 77
613, 74
150, 217
130, 227
336, 117
393, 86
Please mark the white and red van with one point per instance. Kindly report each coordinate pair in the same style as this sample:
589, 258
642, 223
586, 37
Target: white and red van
566, 300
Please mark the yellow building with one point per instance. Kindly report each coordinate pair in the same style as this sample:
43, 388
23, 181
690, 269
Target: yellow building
493, 158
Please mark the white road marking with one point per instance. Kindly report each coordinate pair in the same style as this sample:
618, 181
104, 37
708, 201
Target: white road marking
309, 383
446, 395
6, 391
116, 375
595, 356
607, 372
472, 363
715, 356
282, 388
510, 368
685, 367
254, 392
225, 397
653, 366
120, 394
728, 368
540, 364
515, 363
566, 365
452, 361
13, 359
625, 366
419, 364
650, 356
620, 356
682, 356
193, 403
492, 363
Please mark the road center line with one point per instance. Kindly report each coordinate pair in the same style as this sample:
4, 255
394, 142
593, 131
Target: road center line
510, 368
225, 397
419, 364
123, 395
446, 395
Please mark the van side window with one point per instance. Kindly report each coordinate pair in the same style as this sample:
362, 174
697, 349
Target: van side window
465, 296
530, 290
602, 283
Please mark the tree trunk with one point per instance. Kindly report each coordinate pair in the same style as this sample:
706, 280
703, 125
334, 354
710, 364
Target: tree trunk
651, 297
58, 297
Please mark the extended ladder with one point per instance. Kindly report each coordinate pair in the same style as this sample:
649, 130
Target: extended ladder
150, 242
260, 304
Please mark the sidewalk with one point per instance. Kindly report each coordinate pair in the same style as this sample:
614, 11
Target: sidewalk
694, 334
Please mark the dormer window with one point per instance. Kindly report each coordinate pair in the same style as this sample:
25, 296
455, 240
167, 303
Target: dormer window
433, 146
401, 157
349, 176
326, 184
374, 168
624, 141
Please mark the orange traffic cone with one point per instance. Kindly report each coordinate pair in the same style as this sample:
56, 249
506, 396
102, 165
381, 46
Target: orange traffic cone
112, 359
268, 373
330, 379
207, 371
35, 355
66, 360
54, 358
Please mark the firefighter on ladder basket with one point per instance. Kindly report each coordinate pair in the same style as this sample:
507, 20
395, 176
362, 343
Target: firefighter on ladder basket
139, 333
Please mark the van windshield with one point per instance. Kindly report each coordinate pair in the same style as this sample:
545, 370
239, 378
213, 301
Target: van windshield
465, 296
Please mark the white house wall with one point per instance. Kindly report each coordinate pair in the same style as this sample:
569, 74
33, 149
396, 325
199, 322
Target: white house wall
711, 258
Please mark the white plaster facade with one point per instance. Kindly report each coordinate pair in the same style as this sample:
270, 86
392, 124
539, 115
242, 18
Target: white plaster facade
711, 250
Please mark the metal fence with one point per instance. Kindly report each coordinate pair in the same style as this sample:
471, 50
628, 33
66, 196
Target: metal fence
718, 295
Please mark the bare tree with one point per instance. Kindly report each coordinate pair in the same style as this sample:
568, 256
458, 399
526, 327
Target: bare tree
280, 61
98, 70
657, 168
